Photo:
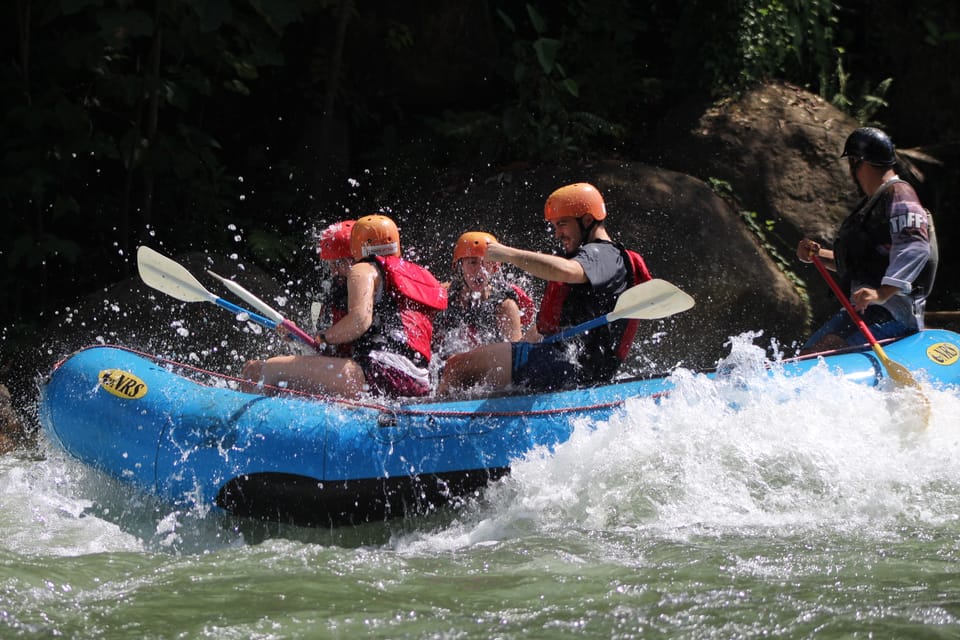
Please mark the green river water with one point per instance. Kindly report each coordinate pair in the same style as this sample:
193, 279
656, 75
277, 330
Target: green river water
828, 511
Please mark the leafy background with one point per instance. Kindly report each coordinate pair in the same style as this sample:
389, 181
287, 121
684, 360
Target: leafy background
240, 125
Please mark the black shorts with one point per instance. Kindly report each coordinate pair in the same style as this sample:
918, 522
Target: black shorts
545, 366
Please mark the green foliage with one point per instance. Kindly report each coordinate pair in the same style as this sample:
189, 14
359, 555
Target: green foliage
129, 121
538, 122
547, 115
273, 248
865, 106
872, 102
790, 39
936, 36
106, 124
793, 40
399, 36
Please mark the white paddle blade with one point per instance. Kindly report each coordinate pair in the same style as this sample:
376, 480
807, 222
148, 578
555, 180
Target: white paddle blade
651, 300
316, 310
249, 298
165, 275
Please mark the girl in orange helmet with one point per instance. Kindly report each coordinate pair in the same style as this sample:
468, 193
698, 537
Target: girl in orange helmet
483, 306
390, 304
582, 284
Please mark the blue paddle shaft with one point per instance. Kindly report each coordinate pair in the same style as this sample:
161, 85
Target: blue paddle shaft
580, 328
265, 322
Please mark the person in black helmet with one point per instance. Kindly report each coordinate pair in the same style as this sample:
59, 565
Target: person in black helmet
885, 252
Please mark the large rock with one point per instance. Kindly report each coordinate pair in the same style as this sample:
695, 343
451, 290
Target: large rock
778, 148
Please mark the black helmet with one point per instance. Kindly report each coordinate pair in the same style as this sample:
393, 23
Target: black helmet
872, 145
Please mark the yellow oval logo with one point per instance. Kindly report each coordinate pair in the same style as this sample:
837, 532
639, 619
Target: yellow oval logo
123, 384
944, 353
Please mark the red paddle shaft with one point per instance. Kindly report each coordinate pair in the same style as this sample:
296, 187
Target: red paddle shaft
843, 298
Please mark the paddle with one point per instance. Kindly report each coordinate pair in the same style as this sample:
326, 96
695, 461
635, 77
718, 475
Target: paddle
897, 371
266, 309
648, 300
169, 277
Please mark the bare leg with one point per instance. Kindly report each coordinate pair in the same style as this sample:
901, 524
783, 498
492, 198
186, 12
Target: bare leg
490, 365
310, 374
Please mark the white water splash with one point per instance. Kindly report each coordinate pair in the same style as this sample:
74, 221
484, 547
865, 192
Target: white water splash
41, 515
744, 452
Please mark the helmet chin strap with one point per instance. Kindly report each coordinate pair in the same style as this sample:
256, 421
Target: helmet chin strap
853, 175
585, 231
860, 190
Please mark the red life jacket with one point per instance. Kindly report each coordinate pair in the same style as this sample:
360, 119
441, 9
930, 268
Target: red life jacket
548, 320
417, 295
528, 310
640, 274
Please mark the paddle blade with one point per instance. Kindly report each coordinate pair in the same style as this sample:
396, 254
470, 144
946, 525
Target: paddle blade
902, 376
316, 310
898, 373
650, 300
165, 275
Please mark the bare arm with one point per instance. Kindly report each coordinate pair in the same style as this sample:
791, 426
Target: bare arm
539, 265
808, 247
508, 321
532, 334
865, 296
361, 292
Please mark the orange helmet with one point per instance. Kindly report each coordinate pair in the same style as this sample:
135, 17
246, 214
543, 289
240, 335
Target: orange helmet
374, 235
575, 201
472, 244
334, 242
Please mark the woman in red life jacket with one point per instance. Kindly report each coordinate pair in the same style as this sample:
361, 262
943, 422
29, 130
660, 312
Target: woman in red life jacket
584, 283
483, 306
390, 304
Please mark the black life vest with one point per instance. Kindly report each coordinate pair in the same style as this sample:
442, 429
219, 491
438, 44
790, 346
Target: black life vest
475, 321
551, 306
861, 248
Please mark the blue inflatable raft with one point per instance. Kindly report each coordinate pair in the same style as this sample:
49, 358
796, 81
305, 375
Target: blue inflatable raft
189, 438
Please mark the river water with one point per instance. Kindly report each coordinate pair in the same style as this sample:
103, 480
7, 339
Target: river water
748, 507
